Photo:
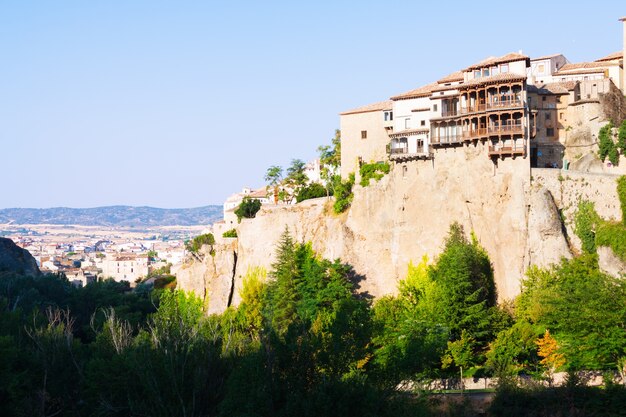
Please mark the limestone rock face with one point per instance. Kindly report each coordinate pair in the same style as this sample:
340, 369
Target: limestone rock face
407, 215
15, 259
610, 263
210, 276
546, 241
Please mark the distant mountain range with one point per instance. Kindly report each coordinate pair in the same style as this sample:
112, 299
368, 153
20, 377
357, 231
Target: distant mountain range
123, 216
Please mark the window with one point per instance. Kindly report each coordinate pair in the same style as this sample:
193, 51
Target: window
423, 123
494, 71
541, 68
388, 116
404, 171
504, 68
476, 73
407, 123
550, 131
434, 107
363, 134
486, 72
561, 116
543, 98
548, 116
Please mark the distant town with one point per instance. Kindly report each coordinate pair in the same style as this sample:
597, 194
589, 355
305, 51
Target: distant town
87, 253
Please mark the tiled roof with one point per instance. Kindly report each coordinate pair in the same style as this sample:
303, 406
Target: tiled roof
455, 76
582, 66
501, 60
553, 88
410, 132
380, 106
423, 91
612, 57
509, 76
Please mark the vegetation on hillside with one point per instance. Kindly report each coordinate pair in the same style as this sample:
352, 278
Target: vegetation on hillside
248, 208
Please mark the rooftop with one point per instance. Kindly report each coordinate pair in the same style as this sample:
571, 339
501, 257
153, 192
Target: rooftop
380, 106
423, 91
498, 78
553, 88
540, 58
612, 57
513, 56
455, 76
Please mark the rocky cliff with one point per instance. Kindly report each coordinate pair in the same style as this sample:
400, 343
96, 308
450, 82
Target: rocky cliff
516, 216
15, 259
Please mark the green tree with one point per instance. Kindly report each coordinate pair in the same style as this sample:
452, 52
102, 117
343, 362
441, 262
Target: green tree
274, 177
605, 139
330, 162
466, 289
248, 208
296, 179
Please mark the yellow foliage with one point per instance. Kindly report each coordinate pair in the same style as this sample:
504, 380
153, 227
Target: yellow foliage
549, 351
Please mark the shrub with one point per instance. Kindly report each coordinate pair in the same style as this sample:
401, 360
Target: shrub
376, 171
343, 194
230, 233
313, 190
612, 235
585, 222
621, 137
606, 145
621, 194
197, 242
248, 208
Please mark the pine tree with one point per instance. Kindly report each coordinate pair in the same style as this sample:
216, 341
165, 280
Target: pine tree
282, 292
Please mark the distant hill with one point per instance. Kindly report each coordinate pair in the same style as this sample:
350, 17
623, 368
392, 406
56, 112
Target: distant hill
124, 216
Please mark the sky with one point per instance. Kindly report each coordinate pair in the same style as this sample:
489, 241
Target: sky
182, 103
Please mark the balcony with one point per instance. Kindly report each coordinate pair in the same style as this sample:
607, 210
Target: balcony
402, 154
483, 132
501, 150
445, 140
505, 102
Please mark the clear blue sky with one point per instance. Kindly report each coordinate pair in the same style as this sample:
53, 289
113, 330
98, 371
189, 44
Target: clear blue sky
180, 103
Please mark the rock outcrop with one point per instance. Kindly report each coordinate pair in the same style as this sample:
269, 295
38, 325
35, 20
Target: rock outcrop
15, 259
407, 214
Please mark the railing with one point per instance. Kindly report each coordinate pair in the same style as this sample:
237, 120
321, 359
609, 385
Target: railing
493, 130
449, 113
400, 150
438, 140
507, 150
500, 104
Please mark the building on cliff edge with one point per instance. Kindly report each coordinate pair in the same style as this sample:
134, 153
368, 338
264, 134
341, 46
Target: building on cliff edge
546, 110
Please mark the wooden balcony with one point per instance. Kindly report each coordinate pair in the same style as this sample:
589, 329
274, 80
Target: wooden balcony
446, 140
499, 150
484, 132
402, 154
500, 104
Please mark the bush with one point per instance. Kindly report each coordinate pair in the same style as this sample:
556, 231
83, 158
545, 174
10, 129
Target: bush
313, 190
621, 194
343, 194
606, 145
197, 242
585, 222
612, 235
230, 233
376, 171
248, 208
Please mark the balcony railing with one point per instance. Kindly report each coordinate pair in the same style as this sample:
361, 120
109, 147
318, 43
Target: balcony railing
447, 139
450, 113
401, 150
493, 130
502, 150
507, 102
